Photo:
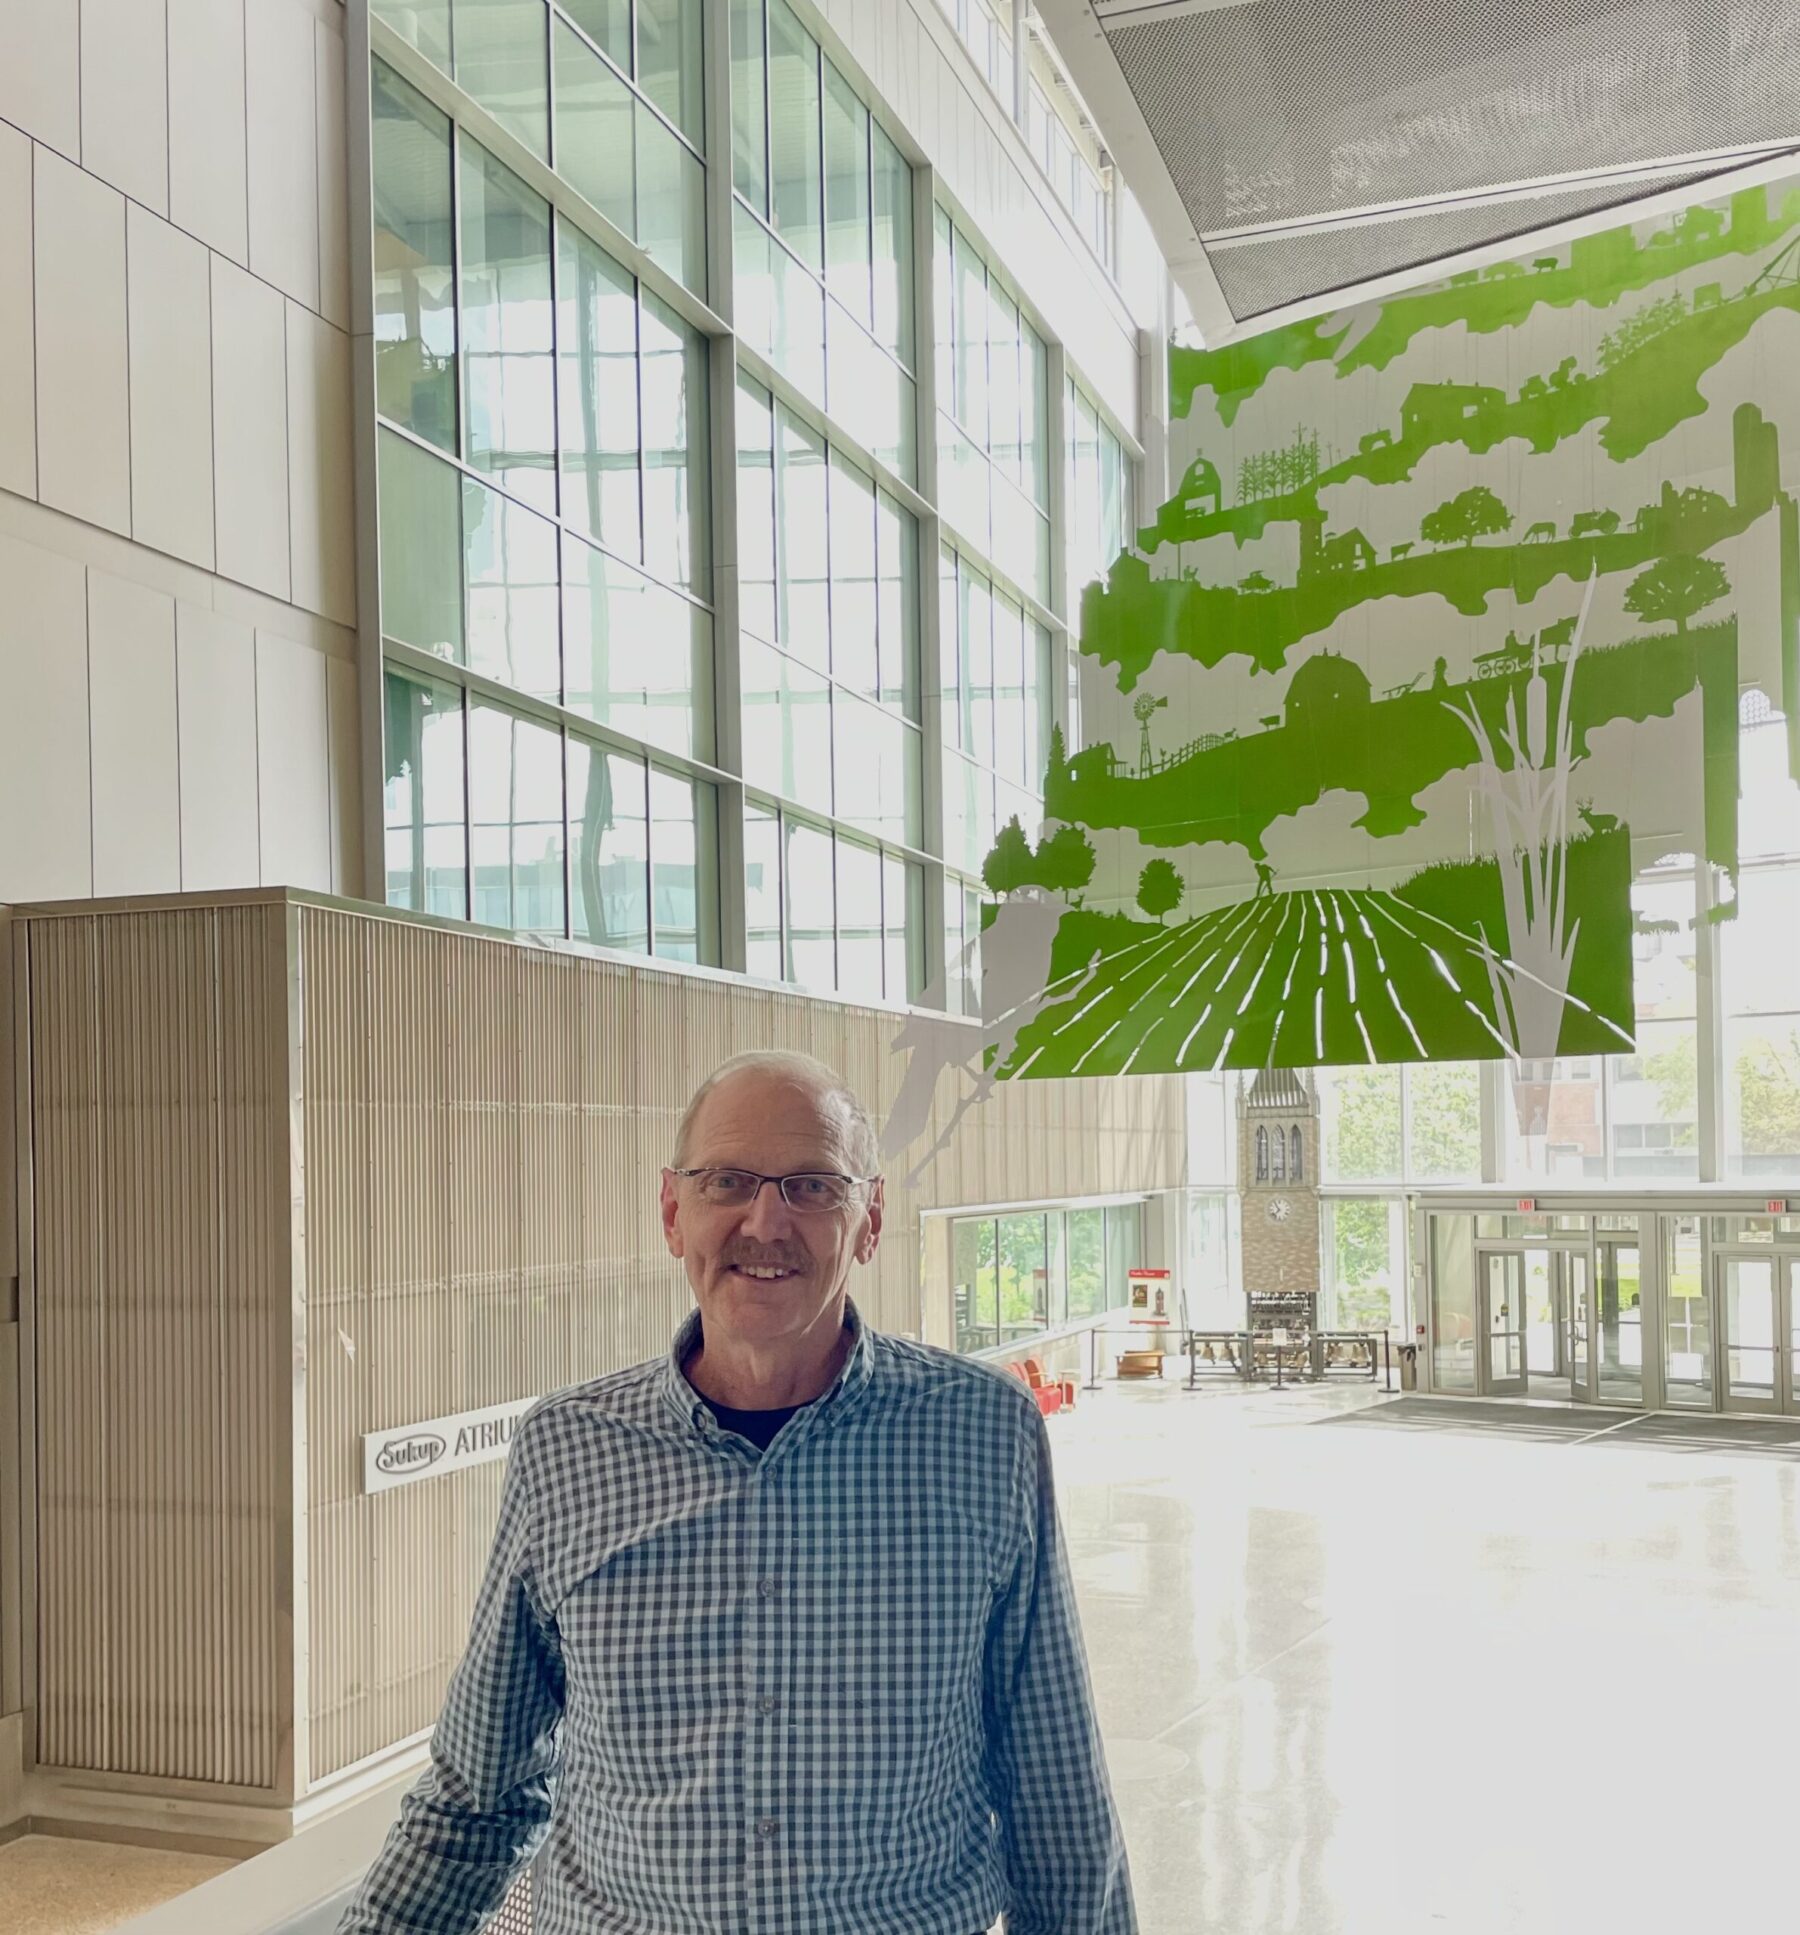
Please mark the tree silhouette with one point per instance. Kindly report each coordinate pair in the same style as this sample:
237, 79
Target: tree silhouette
1009, 864
1059, 757
1469, 515
1676, 588
1159, 888
1065, 860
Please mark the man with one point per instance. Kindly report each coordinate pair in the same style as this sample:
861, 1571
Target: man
777, 1632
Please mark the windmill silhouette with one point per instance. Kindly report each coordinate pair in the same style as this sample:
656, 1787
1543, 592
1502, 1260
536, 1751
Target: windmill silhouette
1142, 707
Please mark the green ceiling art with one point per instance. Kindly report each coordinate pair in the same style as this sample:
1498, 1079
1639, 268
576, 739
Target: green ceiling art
1440, 642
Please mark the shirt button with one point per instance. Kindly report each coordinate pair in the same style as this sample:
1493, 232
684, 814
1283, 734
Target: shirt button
766, 1704
767, 1587
765, 1829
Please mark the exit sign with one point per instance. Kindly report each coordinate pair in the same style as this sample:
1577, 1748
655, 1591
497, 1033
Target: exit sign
1527, 1204
1776, 1205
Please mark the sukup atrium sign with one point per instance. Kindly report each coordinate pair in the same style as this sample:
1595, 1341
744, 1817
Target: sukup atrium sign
407, 1453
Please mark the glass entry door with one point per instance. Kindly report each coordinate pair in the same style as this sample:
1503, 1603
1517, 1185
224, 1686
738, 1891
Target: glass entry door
1500, 1293
1578, 1301
1762, 1337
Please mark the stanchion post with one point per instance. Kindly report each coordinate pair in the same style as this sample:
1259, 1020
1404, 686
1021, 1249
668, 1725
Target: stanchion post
1093, 1383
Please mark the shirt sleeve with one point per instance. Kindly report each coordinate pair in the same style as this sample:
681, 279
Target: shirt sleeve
1065, 1854
478, 1812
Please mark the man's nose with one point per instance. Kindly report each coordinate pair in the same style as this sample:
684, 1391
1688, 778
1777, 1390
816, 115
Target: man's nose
768, 1213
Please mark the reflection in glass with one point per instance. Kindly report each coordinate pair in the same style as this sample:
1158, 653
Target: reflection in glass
677, 521
421, 566
810, 916
951, 698
855, 660
859, 940
500, 63
847, 203
795, 170
684, 867
510, 388
976, 638
780, 309
971, 403
893, 243
669, 62
515, 821
607, 23
762, 892
787, 725
510, 556
749, 106
800, 525
1009, 692
637, 657
424, 24
597, 347
897, 601
415, 297
756, 509
671, 202
426, 841
609, 853
596, 148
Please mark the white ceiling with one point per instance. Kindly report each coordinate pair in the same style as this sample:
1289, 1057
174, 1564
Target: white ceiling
1291, 155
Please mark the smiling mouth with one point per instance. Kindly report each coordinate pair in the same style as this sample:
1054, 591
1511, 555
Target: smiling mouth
762, 1272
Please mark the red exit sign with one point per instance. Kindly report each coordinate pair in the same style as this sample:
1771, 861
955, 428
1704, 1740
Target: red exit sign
1776, 1205
1527, 1204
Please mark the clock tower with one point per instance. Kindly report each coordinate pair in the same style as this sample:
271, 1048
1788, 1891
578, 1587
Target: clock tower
1278, 1175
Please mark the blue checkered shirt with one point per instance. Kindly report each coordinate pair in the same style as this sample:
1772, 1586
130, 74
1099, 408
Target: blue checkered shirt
834, 1689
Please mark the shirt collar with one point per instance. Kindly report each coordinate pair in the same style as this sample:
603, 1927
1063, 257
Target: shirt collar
846, 1388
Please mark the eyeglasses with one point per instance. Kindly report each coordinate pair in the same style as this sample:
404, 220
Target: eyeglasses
733, 1188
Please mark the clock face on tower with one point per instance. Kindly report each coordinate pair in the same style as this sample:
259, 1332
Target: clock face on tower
1280, 1209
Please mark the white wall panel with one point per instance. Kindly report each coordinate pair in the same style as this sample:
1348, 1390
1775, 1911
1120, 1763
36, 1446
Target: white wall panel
321, 486
84, 464
283, 147
344, 702
293, 758
46, 848
18, 353
207, 187
131, 682
215, 667
125, 97
250, 466
40, 70
334, 174
169, 303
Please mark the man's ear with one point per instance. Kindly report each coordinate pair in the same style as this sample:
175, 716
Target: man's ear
670, 1207
871, 1236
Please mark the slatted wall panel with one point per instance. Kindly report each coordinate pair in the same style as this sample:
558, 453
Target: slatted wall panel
158, 1084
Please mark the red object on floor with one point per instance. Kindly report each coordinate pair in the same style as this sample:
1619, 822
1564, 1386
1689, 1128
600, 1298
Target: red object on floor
1049, 1396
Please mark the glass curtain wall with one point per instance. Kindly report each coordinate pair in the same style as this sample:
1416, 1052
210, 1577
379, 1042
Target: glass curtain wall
544, 475
1017, 1276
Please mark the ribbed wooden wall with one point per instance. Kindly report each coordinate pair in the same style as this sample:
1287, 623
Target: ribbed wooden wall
485, 1127
159, 1091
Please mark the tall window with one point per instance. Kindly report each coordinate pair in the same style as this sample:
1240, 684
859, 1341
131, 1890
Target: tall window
1015, 1276
1098, 496
1296, 1168
1262, 1155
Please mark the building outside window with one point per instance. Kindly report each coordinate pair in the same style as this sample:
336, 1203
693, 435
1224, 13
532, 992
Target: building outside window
1016, 1276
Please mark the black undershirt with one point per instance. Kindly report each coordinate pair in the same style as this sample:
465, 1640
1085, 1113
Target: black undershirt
759, 1427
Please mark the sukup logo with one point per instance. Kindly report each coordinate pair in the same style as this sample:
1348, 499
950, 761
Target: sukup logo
418, 1452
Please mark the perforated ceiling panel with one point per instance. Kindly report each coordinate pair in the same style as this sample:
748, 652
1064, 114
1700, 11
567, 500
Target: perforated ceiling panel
1273, 110
1264, 275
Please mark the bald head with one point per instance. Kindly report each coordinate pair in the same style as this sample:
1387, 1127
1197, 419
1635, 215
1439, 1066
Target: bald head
788, 1069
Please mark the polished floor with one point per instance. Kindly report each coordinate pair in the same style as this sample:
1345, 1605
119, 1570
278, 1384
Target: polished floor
50, 1886
1375, 1673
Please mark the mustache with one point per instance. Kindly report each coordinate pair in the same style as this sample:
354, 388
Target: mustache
780, 1260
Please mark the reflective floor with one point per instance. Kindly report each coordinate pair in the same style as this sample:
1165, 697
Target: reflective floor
1397, 1680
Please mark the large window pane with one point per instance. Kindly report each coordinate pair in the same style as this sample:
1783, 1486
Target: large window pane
1024, 1277
1361, 1108
971, 340
867, 391
756, 509
607, 23
1687, 1319
859, 940
671, 202
762, 892
596, 147
893, 271
800, 524
421, 548
500, 62
1653, 1103
637, 657
1034, 415
780, 309
795, 168
509, 383
609, 854
1757, 957
684, 867
810, 916
510, 558
677, 520
847, 206
876, 760
425, 24
787, 725
1366, 1265
1553, 1117
427, 848
1003, 381
897, 588
415, 296
976, 637
1443, 1122
597, 342
855, 659
976, 1290
515, 821
943, 303
669, 62
903, 928
1762, 1077
1010, 692
951, 698
749, 105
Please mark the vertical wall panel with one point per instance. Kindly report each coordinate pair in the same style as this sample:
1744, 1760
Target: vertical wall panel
321, 487
18, 350
283, 146
250, 465
83, 410
207, 191
334, 173
293, 760
46, 843
170, 308
40, 71
215, 663
136, 784
344, 710
124, 97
